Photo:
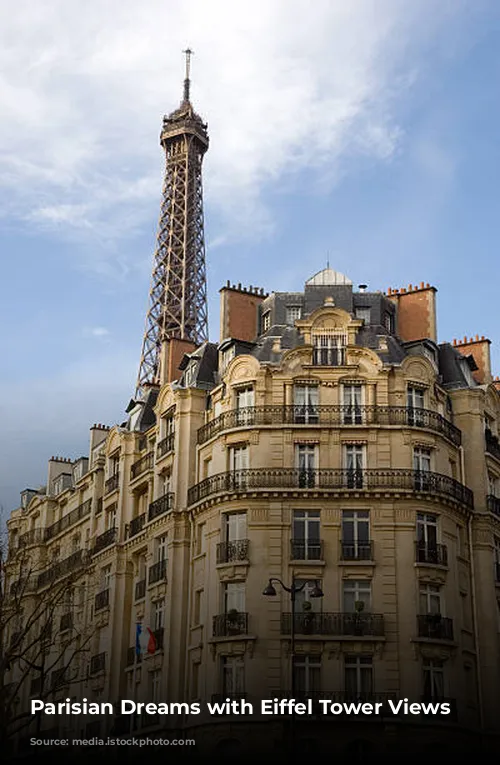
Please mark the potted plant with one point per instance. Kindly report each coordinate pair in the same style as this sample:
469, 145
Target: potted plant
359, 622
232, 621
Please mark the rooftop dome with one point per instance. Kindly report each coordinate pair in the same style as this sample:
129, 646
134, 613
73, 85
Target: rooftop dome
326, 277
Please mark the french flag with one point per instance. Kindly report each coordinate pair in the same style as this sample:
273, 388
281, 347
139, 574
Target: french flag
145, 641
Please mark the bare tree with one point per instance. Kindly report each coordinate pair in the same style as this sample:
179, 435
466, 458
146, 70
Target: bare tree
45, 635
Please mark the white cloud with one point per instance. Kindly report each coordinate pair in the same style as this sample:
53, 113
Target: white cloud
284, 85
96, 332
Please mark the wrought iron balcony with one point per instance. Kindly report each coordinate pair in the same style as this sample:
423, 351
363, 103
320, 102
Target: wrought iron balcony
161, 506
140, 589
165, 446
82, 511
158, 572
432, 554
142, 465
493, 504
300, 549
334, 415
69, 565
97, 663
435, 627
338, 624
112, 483
101, 600
136, 525
492, 443
66, 622
386, 480
104, 540
356, 550
232, 552
232, 623
31, 537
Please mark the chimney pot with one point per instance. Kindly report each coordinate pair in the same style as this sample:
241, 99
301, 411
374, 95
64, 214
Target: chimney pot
427, 285
421, 285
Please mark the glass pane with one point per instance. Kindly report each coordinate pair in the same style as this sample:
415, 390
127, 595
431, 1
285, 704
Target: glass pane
347, 531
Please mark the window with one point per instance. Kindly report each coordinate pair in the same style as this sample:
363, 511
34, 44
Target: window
430, 599
155, 685
354, 462
238, 463
266, 321
76, 541
105, 577
226, 356
496, 554
305, 403
198, 597
433, 679
363, 313
304, 596
158, 615
461, 541
415, 405
305, 462
357, 591
307, 674
358, 676
161, 548
234, 597
293, 312
244, 406
356, 543
235, 527
306, 544
114, 464
493, 485
200, 539
329, 348
352, 399
110, 517
190, 373
233, 676
389, 322
427, 535
421, 466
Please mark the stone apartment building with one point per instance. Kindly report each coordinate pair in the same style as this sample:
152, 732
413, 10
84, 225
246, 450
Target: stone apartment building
328, 441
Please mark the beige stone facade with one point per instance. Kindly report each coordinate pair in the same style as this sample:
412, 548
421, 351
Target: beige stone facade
371, 476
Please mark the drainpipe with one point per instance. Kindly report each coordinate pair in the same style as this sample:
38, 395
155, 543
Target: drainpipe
473, 599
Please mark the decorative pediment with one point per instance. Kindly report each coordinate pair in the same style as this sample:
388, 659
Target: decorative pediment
419, 368
113, 441
166, 400
242, 369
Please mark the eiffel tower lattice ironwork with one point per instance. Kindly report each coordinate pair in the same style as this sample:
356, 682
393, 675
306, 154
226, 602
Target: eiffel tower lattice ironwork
178, 293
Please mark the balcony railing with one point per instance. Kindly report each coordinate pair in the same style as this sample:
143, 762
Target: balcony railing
161, 506
101, 600
232, 552
31, 537
336, 415
97, 663
323, 623
104, 540
389, 480
492, 443
435, 627
136, 525
66, 622
140, 589
225, 625
433, 554
112, 483
82, 511
356, 550
68, 565
165, 445
300, 549
158, 572
142, 465
493, 504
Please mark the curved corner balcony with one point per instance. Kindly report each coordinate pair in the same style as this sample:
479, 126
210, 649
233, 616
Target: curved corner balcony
324, 416
391, 480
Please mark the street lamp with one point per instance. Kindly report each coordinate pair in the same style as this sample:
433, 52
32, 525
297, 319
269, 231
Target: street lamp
293, 589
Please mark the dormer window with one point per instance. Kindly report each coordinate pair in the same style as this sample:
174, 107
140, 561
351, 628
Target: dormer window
364, 314
226, 356
293, 312
266, 321
330, 348
190, 374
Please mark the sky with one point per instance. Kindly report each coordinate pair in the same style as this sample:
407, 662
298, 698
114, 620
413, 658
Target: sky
363, 133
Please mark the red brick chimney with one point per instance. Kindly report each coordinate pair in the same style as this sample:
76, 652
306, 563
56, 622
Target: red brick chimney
415, 312
239, 312
479, 348
172, 353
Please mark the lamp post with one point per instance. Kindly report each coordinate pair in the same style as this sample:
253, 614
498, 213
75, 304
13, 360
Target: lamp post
293, 589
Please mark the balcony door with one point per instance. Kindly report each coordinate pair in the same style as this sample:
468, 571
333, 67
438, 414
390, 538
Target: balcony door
306, 543
305, 462
415, 404
354, 463
244, 406
305, 404
239, 462
352, 400
422, 467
